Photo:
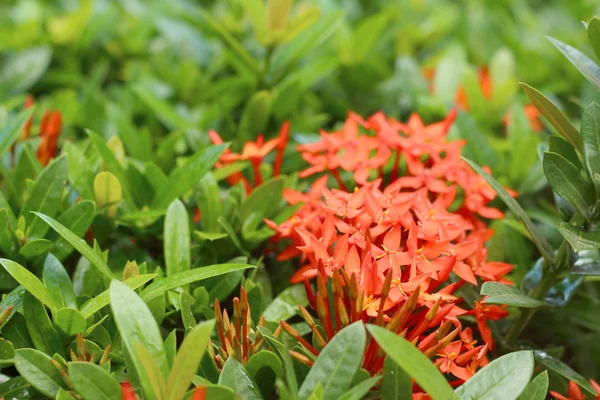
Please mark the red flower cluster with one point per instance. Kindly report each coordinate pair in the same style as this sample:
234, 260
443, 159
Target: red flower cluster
397, 244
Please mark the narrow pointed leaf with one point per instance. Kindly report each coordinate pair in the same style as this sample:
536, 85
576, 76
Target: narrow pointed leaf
30, 282
93, 382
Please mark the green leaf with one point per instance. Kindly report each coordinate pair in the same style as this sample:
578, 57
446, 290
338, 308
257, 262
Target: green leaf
35, 366
171, 346
537, 388
587, 67
235, 376
255, 116
154, 381
16, 388
12, 130
187, 277
593, 31
93, 382
263, 200
138, 329
70, 321
288, 364
509, 295
210, 235
265, 368
30, 282
563, 369
540, 240
567, 182
35, 248
285, 305
590, 131
396, 384
79, 244
580, 239
337, 363
209, 203
414, 363
177, 239
553, 114
359, 391
504, 378
184, 178
58, 283
45, 338
45, 196
188, 359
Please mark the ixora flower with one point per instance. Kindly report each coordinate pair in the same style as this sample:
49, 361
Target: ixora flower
389, 247
574, 392
49, 133
255, 153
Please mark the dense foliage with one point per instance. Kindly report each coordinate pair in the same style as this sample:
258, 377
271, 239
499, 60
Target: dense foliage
301, 200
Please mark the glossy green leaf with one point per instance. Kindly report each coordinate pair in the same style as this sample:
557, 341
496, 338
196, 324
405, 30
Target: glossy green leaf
69, 321
593, 30
79, 244
285, 305
137, 328
503, 294
77, 219
414, 363
36, 248
177, 239
505, 378
45, 338
7, 350
553, 114
16, 388
580, 239
537, 388
337, 363
209, 203
188, 359
566, 180
58, 283
191, 276
45, 197
396, 383
93, 382
540, 240
590, 131
235, 376
183, 178
263, 200
587, 67
153, 382
35, 366
29, 281
554, 364
359, 391
103, 299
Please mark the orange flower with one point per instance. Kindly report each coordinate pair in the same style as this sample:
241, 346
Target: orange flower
574, 392
127, 392
50, 128
388, 250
